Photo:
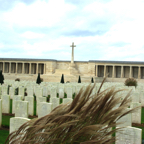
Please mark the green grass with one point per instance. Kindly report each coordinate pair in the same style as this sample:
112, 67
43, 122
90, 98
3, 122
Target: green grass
6, 120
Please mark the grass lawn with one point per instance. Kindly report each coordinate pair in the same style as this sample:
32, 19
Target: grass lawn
6, 121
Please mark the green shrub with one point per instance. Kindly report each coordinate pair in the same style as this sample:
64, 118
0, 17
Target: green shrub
17, 79
131, 82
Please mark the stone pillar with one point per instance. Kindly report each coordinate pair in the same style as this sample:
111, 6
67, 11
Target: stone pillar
96, 70
72, 56
16, 67
3, 67
113, 74
139, 73
37, 69
104, 70
121, 71
10, 67
130, 74
22, 68
29, 68
44, 68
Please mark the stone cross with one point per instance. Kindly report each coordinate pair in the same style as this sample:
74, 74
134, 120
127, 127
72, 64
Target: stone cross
72, 56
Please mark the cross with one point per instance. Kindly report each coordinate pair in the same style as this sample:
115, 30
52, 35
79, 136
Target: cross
72, 56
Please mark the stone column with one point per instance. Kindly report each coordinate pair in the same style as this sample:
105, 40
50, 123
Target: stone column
96, 70
44, 68
16, 67
29, 68
3, 67
121, 71
104, 70
37, 69
139, 73
72, 56
10, 67
113, 74
22, 68
130, 74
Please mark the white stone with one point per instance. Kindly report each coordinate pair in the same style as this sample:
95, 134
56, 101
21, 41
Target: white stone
5, 103
125, 120
38, 92
21, 92
21, 109
4, 90
55, 102
69, 92
0, 112
11, 92
53, 93
67, 100
44, 109
39, 99
30, 100
16, 122
135, 97
129, 135
61, 93
15, 98
136, 116
30, 91
45, 91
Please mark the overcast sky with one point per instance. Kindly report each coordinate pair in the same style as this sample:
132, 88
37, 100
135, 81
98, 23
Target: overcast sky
45, 29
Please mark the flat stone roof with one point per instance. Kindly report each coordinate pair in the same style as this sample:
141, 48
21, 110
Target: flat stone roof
95, 61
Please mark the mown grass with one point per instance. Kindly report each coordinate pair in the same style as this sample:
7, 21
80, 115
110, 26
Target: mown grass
6, 120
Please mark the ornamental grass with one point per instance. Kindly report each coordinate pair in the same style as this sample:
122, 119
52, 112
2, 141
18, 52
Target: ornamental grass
89, 119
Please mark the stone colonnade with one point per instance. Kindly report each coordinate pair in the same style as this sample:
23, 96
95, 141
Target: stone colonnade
23, 67
119, 71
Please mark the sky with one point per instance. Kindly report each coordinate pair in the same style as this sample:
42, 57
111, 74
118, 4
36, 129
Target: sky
45, 29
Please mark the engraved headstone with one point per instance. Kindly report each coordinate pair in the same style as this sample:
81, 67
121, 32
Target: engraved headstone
21, 109
61, 93
39, 99
30, 99
11, 92
55, 102
21, 92
5, 103
45, 91
44, 109
69, 92
53, 93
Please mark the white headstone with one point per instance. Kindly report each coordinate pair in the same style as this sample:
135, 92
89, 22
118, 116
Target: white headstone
67, 100
135, 97
53, 93
45, 91
38, 92
69, 92
39, 99
136, 116
129, 135
29, 91
44, 109
55, 102
5, 103
142, 99
11, 92
21, 92
30, 99
61, 93
15, 98
21, 109
4, 90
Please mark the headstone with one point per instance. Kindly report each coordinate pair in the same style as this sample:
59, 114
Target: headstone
44, 109
39, 99
136, 116
125, 120
4, 90
129, 135
53, 93
55, 102
15, 98
0, 112
21, 92
38, 92
142, 99
69, 92
45, 91
67, 100
5, 103
135, 97
61, 93
30, 99
21, 109
29, 91
11, 92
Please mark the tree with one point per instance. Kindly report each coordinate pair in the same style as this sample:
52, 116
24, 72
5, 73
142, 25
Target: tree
79, 80
92, 81
62, 79
81, 121
1, 78
38, 79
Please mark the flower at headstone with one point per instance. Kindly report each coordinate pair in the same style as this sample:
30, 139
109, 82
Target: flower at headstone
62, 79
79, 80
38, 79
1, 78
